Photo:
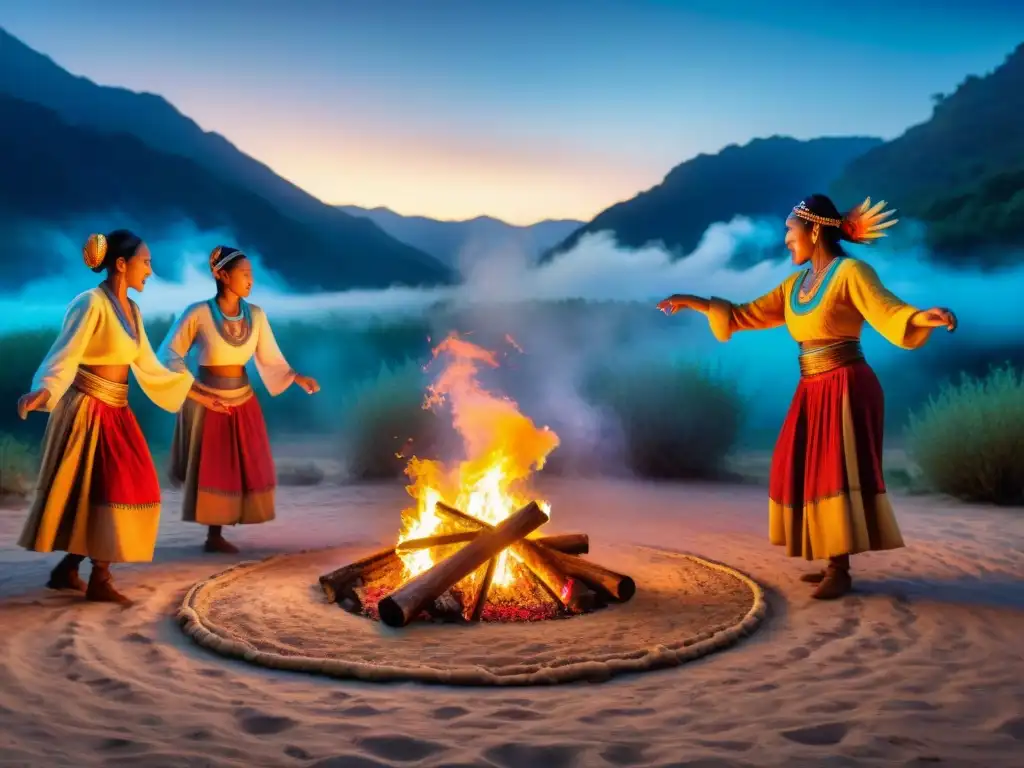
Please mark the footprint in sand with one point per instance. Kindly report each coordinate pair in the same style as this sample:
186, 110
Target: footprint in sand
824, 734
258, 723
1013, 728
624, 754
514, 755
449, 713
297, 752
401, 748
348, 761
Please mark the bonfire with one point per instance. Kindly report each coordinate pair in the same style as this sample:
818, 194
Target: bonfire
470, 546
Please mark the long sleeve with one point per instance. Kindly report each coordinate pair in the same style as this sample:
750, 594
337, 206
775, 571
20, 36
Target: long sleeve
176, 345
761, 314
57, 371
275, 371
885, 312
165, 387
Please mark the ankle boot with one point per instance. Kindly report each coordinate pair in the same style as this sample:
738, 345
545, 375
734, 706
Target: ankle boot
101, 586
65, 574
837, 581
215, 542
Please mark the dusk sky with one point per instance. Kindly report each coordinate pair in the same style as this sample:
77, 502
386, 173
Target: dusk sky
522, 110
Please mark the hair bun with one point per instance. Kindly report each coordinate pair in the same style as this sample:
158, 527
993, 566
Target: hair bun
94, 251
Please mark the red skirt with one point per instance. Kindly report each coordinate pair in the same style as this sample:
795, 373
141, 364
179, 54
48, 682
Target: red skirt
827, 494
225, 463
98, 493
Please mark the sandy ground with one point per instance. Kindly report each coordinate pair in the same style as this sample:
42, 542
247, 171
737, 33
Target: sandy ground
923, 665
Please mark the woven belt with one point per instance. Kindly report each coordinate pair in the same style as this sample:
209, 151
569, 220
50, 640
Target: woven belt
107, 392
231, 390
830, 357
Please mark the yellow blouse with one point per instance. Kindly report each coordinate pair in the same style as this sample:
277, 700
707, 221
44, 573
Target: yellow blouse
850, 293
96, 332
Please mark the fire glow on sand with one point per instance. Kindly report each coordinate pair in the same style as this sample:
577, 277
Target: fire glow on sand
469, 547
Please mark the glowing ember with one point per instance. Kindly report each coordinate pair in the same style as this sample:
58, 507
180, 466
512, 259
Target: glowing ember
501, 448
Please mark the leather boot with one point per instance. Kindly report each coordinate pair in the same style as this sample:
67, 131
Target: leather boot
215, 542
65, 574
101, 586
837, 581
813, 578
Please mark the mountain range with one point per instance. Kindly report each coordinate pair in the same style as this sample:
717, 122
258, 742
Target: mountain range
74, 151
310, 243
764, 178
962, 171
457, 243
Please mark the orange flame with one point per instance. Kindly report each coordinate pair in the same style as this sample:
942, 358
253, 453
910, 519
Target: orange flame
502, 449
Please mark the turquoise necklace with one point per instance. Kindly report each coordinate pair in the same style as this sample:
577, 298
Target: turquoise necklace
234, 330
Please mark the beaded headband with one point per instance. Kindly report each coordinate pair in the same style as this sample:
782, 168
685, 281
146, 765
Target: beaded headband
803, 212
222, 256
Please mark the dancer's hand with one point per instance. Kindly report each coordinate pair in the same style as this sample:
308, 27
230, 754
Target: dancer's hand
674, 303
33, 401
307, 383
210, 402
937, 317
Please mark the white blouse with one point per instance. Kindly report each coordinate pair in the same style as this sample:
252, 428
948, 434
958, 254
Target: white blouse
200, 327
96, 332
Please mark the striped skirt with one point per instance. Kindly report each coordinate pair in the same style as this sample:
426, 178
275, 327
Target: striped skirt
98, 493
222, 461
827, 494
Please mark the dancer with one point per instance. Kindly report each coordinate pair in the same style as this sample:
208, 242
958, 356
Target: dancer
98, 495
223, 460
827, 496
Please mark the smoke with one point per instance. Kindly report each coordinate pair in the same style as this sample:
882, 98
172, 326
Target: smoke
619, 327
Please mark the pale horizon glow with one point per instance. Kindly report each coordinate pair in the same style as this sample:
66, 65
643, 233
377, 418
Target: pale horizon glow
525, 112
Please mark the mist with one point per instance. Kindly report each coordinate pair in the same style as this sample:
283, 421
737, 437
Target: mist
552, 350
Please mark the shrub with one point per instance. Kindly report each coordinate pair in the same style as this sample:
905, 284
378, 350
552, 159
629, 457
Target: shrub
969, 438
385, 417
17, 467
678, 420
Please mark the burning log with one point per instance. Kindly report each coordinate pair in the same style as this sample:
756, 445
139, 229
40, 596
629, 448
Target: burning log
411, 545
336, 583
406, 602
567, 543
485, 587
575, 595
616, 585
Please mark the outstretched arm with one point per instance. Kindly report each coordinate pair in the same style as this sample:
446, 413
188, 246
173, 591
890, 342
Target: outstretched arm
725, 318
899, 323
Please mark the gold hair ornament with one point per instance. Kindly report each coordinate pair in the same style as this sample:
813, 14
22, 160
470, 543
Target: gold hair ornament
94, 251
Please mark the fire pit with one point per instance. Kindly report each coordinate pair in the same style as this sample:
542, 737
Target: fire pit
481, 558
493, 573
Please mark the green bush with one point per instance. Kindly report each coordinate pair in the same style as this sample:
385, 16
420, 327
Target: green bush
678, 420
17, 467
968, 439
385, 418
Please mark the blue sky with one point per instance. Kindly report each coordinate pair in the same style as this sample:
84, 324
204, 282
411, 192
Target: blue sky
522, 110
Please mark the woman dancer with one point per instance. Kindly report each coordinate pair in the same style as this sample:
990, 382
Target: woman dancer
827, 496
223, 460
98, 495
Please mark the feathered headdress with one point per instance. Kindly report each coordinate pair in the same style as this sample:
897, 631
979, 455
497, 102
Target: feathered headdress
866, 223
863, 225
